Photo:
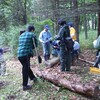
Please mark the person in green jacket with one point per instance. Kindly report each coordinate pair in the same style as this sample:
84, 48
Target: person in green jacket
65, 55
25, 51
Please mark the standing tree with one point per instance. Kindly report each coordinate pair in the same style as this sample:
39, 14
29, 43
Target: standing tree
76, 18
99, 18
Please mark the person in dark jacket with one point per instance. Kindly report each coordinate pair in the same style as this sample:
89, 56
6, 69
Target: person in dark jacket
25, 51
65, 55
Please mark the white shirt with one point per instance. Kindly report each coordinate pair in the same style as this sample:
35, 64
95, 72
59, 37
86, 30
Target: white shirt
45, 36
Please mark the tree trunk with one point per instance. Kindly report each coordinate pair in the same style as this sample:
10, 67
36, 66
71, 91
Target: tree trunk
85, 26
95, 27
53, 16
92, 21
76, 19
57, 15
52, 62
66, 79
25, 15
98, 23
99, 18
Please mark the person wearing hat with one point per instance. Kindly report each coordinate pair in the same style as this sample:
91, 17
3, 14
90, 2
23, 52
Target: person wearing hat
72, 31
65, 55
45, 38
55, 48
25, 51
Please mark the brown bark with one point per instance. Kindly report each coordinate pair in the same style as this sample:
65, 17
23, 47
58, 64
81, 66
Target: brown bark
68, 80
52, 62
90, 62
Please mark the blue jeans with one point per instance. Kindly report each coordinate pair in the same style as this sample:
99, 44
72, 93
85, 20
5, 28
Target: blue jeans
46, 48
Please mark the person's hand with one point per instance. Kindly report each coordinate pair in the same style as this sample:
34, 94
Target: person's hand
55, 36
45, 41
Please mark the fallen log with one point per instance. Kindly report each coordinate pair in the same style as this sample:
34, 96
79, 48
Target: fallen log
52, 62
67, 80
90, 62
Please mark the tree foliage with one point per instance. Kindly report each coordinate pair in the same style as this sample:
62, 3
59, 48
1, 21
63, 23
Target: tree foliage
85, 14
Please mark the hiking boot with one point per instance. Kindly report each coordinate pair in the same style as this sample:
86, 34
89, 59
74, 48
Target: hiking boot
28, 87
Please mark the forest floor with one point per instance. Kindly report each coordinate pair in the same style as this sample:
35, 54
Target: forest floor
11, 88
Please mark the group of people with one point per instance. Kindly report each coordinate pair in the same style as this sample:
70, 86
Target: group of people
26, 46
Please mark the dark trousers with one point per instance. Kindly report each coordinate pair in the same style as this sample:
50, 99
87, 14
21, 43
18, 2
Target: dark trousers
26, 71
65, 59
97, 52
97, 62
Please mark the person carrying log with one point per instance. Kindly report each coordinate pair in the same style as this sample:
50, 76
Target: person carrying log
45, 38
65, 54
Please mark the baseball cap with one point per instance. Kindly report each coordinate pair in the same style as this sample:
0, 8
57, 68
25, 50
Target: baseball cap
70, 23
47, 27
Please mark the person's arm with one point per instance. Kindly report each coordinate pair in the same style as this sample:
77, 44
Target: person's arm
58, 36
36, 42
40, 37
34, 39
50, 37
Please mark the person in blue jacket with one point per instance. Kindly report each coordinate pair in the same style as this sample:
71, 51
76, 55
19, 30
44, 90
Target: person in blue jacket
56, 48
45, 38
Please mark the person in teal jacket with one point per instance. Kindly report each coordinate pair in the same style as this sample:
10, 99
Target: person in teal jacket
25, 51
